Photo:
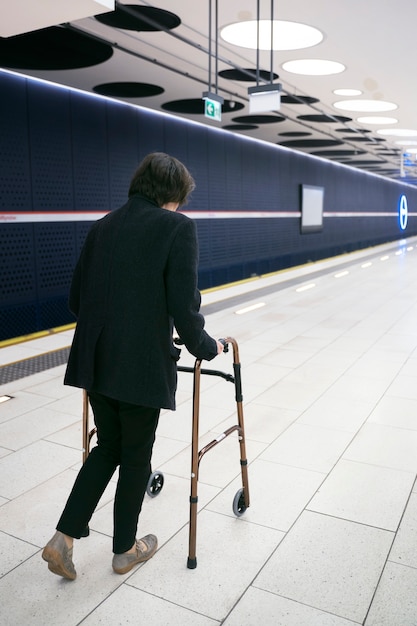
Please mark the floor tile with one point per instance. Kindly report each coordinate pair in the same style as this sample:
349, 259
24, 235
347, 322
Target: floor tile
26, 468
45, 503
166, 449
363, 493
328, 412
310, 448
395, 411
223, 395
5, 452
396, 342
71, 436
21, 403
262, 423
49, 599
26, 429
313, 566
404, 550
262, 607
72, 403
410, 366
163, 515
128, 604
263, 374
53, 388
278, 494
219, 465
395, 601
13, 552
178, 424
283, 356
404, 387
376, 366
386, 446
291, 395
229, 555
363, 389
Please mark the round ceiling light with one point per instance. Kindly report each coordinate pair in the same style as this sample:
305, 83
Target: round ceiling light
397, 132
285, 35
347, 92
365, 106
377, 119
313, 67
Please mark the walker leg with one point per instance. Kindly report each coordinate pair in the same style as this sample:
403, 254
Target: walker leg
192, 559
86, 442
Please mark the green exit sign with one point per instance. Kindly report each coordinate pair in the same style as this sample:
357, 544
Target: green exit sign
213, 106
213, 109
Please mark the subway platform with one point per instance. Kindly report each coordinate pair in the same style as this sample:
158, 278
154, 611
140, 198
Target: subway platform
329, 373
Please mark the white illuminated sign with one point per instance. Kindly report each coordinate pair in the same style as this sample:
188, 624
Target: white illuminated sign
403, 212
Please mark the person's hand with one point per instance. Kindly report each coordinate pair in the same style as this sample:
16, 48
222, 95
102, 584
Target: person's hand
220, 347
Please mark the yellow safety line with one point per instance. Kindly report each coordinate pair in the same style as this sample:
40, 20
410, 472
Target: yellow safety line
42, 333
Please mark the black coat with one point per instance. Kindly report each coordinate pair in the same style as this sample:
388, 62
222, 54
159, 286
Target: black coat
135, 279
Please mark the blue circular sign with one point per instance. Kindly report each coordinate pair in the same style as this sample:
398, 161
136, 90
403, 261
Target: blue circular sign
403, 212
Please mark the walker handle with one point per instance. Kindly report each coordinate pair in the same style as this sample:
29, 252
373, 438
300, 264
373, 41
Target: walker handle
225, 344
179, 342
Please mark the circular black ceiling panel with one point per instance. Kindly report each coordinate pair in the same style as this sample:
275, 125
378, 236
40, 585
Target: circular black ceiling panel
231, 105
195, 106
128, 90
240, 127
338, 153
246, 74
351, 130
311, 143
288, 99
258, 119
140, 18
324, 119
52, 49
294, 134
191, 106
357, 138
367, 163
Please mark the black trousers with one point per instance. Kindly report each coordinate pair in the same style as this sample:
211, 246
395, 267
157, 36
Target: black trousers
125, 438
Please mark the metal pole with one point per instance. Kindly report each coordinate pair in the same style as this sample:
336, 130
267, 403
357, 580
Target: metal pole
272, 40
257, 42
209, 50
192, 539
217, 44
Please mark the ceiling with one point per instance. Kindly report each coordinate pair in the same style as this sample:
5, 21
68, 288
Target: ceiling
162, 60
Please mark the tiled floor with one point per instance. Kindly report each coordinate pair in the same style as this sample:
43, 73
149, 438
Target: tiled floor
330, 404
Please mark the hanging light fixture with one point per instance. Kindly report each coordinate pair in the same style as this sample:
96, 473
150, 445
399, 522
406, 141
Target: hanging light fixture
265, 97
213, 102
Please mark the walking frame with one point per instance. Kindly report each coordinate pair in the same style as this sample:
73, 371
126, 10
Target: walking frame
241, 499
156, 480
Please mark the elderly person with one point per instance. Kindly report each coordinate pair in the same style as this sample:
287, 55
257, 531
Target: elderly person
135, 280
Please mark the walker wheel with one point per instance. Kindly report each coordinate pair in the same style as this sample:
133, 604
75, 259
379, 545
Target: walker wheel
155, 484
239, 506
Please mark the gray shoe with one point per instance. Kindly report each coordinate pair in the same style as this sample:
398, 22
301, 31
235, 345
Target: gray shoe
145, 549
59, 557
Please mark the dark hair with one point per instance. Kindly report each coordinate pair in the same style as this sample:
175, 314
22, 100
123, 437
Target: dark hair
162, 178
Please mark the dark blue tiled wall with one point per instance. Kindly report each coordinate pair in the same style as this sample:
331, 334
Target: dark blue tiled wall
62, 150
